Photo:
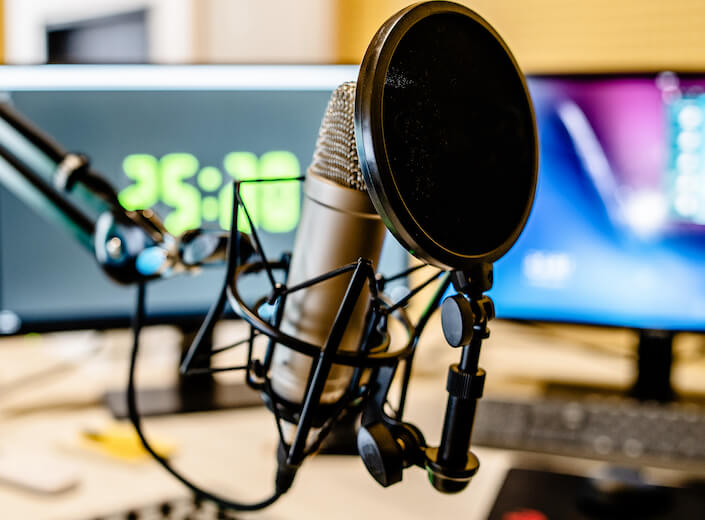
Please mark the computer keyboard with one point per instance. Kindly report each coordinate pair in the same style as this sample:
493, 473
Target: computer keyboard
176, 509
609, 428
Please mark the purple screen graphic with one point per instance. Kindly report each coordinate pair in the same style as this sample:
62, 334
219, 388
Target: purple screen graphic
617, 232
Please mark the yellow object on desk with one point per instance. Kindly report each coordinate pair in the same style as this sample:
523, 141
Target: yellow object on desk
120, 441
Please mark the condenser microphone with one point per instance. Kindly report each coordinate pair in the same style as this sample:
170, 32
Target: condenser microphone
339, 224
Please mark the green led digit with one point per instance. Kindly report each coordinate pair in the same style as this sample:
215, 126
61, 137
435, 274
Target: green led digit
280, 201
184, 198
210, 208
144, 170
240, 166
209, 180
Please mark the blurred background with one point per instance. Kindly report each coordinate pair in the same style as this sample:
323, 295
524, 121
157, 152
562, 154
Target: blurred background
545, 35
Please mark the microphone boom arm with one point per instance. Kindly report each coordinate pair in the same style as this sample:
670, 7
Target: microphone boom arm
130, 246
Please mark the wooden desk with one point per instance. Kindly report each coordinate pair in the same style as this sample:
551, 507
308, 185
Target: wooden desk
233, 452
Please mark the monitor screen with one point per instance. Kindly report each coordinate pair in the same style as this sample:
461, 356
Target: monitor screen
617, 231
616, 235
172, 138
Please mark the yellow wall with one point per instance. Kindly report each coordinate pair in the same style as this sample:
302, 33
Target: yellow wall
564, 35
2, 32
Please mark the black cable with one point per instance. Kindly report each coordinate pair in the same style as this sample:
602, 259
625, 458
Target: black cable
402, 302
136, 420
420, 326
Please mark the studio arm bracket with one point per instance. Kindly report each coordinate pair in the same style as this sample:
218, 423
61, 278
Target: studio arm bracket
387, 445
464, 318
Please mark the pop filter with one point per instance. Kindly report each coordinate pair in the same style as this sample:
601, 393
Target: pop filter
446, 135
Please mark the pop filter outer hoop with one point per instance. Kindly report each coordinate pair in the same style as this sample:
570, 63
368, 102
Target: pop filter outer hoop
381, 179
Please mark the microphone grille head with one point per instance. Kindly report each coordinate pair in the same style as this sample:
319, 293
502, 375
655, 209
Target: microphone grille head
335, 157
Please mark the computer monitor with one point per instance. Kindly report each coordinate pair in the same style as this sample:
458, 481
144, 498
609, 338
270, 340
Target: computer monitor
172, 138
617, 232
616, 236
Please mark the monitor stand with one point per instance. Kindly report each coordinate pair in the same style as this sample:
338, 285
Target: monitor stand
654, 362
195, 393
652, 381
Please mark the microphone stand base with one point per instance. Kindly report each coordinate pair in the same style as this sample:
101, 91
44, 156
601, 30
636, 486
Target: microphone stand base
447, 480
179, 399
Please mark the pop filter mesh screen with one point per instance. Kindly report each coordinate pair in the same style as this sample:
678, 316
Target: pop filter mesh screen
459, 134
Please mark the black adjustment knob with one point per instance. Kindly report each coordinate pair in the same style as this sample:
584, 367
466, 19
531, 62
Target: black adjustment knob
457, 320
381, 454
165, 509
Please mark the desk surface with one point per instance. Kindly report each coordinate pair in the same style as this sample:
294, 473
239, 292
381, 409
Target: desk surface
233, 452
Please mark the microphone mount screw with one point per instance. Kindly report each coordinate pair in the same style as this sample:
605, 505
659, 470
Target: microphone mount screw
114, 248
457, 320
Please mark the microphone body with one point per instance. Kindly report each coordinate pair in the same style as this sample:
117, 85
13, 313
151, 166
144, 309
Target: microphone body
338, 226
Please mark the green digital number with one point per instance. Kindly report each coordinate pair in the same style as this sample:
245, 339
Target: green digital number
280, 201
275, 207
144, 170
240, 166
184, 198
210, 209
209, 180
